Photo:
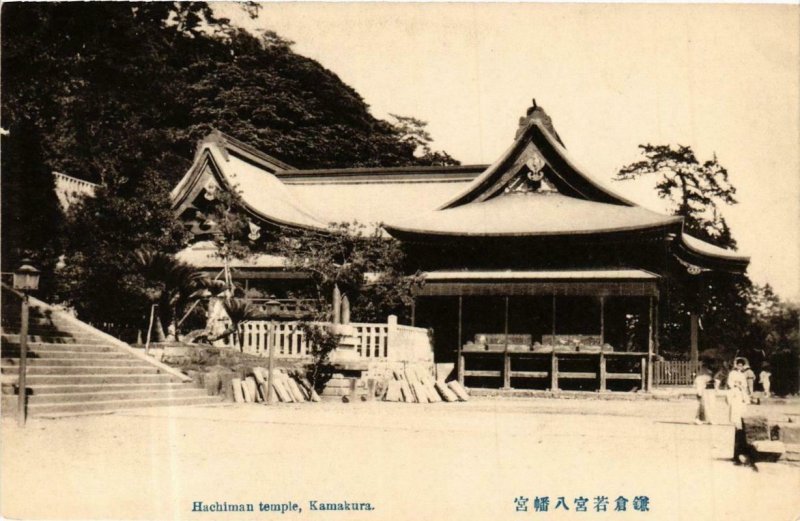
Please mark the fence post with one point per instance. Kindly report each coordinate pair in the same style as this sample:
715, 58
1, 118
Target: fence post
391, 336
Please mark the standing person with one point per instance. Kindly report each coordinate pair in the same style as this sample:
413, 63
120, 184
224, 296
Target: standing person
750, 377
763, 378
701, 383
737, 399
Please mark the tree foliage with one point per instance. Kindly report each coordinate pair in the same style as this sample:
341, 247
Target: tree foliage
101, 277
112, 79
31, 217
737, 317
694, 190
119, 94
366, 267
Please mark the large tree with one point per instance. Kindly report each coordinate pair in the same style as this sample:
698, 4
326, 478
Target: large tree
698, 191
31, 217
123, 91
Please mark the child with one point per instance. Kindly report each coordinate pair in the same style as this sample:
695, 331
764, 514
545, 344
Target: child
763, 379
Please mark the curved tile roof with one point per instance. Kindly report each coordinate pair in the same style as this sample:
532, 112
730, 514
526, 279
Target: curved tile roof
532, 214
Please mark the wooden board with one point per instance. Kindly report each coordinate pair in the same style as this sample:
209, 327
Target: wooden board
252, 387
280, 391
248, 398
295, 390
393, 392
459, 390
258, 374
236, 386
446, 392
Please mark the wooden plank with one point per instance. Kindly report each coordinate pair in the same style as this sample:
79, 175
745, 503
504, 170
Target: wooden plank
236, 385
280, 391
459, 390
495, 374
297, 394
393, 392
258, 375
248, 398
446, 392
623, 376
529, 374
252, 388
461, 368
577, 375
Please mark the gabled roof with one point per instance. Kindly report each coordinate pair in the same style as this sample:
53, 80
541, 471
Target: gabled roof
278, 194
533, 189
227, 163
532, 214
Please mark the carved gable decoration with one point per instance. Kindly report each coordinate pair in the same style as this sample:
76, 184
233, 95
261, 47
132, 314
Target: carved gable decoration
530, 178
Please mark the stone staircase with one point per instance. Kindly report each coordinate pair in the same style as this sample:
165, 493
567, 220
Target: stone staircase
75, 369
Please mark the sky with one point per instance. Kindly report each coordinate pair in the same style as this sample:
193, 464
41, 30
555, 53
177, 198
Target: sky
723, 79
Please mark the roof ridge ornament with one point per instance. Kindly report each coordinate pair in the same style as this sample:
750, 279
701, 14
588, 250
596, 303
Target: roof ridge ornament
533, 114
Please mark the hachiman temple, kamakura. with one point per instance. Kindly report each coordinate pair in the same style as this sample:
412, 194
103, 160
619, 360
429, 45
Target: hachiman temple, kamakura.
534, 273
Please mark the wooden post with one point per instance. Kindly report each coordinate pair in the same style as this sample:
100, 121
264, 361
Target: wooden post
459, 356
644, 373
602, 372
602, 320
505, 325
554, 319
337, 304
650, 333
414, 312
506, 358
23, 362
553, 371
506, 370
695, 355
271, 364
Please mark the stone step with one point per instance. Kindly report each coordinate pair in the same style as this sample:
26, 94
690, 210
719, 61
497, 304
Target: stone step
12, 338
109, 395
65, 354
45, 389
83, 361
98, 379
40, 410
38, 347
65, 370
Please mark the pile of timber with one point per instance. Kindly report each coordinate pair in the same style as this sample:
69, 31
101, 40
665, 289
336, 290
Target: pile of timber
288, 387
414, 386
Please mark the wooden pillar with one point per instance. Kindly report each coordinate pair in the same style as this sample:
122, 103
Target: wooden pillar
693, 331
506, 358
506, 370
602, 372
553, 371
460, 357
414, 311
271, 363
650, 344
602, 320
505, 325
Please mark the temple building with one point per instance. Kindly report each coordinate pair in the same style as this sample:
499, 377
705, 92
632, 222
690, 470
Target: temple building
534, 272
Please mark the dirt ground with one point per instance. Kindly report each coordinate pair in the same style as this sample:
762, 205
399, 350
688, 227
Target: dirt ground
410, 462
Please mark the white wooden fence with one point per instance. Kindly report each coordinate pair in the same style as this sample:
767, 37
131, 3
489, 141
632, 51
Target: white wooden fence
390, 341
